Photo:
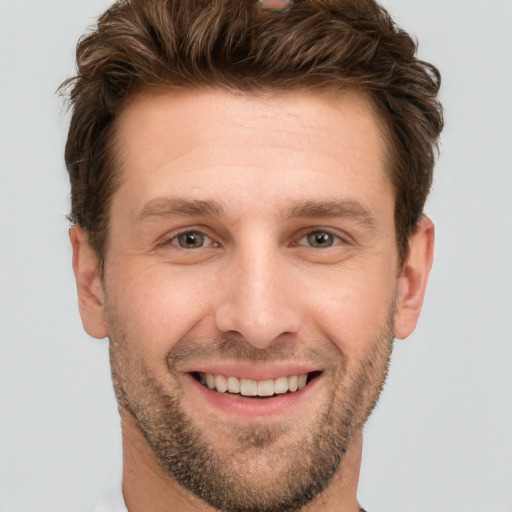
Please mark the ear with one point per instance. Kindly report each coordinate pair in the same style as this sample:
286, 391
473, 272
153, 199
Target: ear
88, 284
412, 281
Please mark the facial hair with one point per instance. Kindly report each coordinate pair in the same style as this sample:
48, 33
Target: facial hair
232, 482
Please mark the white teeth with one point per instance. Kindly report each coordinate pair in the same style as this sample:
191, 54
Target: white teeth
250, 387
210, 381
292, 383
233, 385
302, 381
266, 387
281, 385
221, 383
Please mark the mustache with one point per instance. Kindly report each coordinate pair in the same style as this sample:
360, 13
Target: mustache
236, 349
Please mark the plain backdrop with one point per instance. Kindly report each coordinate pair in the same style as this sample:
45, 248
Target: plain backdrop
440, 439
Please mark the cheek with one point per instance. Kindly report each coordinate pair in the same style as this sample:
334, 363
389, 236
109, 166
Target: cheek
354, 311
158, 306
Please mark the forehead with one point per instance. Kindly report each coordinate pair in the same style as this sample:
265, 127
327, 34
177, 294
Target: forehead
260, 143
204, 111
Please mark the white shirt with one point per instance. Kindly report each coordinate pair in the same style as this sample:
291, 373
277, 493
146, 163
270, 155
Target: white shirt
112, 500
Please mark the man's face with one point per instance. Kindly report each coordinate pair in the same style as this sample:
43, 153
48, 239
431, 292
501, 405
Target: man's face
252, 247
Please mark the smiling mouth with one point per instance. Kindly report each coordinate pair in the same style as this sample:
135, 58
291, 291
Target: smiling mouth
266, 388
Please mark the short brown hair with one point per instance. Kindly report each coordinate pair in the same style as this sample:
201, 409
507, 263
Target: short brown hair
233, 44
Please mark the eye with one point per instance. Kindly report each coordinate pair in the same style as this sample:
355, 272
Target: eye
320, 239
189, 240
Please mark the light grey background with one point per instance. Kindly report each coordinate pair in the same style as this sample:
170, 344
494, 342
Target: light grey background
441, 437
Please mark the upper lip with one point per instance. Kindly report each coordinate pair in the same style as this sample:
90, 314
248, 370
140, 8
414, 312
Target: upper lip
253, 371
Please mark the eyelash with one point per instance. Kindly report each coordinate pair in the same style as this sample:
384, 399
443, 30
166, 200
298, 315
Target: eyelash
176, 236
335, 239
173, 240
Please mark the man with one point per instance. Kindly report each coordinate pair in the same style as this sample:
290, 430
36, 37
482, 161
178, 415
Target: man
248, 181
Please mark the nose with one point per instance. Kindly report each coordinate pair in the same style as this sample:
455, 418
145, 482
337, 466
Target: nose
258, 301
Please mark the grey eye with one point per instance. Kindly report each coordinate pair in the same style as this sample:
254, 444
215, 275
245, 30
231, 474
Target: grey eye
320, 239
191, 240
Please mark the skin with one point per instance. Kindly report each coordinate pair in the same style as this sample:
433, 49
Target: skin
276, 6
257, 280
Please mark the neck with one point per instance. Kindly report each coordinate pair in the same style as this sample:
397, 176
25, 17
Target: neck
341, 495
146, 486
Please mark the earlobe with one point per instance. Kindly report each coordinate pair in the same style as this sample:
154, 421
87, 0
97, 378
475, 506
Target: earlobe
88, 284
412, 281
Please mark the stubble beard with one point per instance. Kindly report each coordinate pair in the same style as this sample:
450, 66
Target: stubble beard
233, 482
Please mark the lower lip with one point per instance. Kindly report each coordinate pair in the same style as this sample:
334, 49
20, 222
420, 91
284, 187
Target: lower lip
248, 407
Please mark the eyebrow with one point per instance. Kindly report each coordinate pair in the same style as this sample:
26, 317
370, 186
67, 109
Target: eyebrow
173, 206
169, 206
334, 208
